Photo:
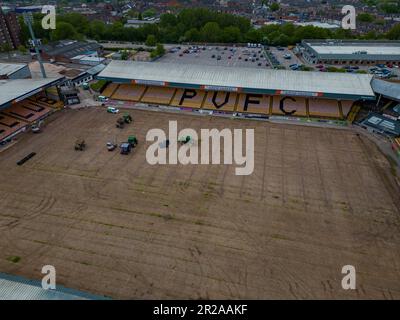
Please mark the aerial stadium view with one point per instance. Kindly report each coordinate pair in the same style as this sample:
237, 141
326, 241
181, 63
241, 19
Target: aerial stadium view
199, 150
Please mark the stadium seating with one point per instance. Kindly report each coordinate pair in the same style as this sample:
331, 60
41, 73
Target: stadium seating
158, 95
188, 98
27, 111
324, 108
109, 90
223, 101
252, 106
45, 102
129, 92
292, 106
9, 125
230, 101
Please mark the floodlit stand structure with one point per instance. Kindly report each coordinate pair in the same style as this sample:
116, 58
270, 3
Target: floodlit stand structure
27, 14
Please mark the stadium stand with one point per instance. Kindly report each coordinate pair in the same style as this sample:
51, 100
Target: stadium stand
188, 98
129, 92
27, 112
109, 90
9, 126
324, 108
346, 107
158, 95
223, 101
256, 103
289, 106
45, 102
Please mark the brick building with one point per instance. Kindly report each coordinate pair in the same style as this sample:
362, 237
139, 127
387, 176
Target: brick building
9, 29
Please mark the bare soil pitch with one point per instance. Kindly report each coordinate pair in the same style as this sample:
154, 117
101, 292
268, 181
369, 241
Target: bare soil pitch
318, 199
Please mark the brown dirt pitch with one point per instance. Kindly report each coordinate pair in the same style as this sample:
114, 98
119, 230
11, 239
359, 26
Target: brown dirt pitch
111, 224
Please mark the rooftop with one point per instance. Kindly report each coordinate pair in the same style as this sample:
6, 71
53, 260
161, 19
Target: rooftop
355, 47
383, 124
252, 80
10, 68
70, 48
390, 90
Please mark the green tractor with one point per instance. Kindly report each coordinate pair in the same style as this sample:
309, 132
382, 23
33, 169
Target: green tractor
133, 141
184, 140
127, 117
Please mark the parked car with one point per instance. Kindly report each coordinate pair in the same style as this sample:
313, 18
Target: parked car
112, 110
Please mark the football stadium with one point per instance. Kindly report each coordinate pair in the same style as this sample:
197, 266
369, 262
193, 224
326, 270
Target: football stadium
238, 90
112, 225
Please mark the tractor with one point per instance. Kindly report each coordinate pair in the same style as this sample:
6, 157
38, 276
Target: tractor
125, 148
127, 117
184, 140
80, 144
120, 123
133, 141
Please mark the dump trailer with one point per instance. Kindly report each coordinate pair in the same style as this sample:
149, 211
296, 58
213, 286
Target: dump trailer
133, 141
80, 144
120, 123
125, 148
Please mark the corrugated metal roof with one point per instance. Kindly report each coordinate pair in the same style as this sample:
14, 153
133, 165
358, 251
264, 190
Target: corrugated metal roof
14, 89
248, 78
369, 49
18, 288
10, 68
388, 89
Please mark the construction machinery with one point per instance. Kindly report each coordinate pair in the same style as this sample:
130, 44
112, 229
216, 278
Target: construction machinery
133, 141
120, 123
125, 148
127, 117
36, 127
80, 144
111, 146
184, 140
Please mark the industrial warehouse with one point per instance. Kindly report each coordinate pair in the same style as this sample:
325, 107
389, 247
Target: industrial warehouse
243, 91
351, 52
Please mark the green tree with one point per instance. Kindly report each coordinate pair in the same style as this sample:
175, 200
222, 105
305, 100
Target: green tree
394, 33
211, 32
6, 47
274, 6
365, 17
64, 30
151, 40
